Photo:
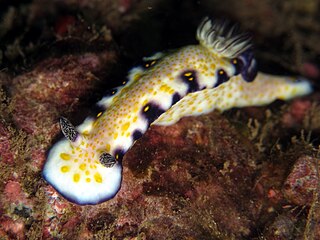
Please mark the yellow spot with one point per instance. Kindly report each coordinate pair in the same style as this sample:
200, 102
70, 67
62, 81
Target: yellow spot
115, 136
65, 156
190, 79
76, 160
229, 95
88, 179
146, 109
83, 166
86, 132
87, 172
163, 87
98, 177
135, 119
65, 169
76, 177
221, 72
136, 108
235, 61
108, 147
125, 126
124, 82
99, 114
135, 77
117, 156
153, 62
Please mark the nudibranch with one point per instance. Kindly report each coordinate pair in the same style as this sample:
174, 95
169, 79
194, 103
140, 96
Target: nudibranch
218, 73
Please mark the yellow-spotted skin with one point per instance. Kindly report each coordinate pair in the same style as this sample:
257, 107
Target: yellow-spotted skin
236, 93
215, 74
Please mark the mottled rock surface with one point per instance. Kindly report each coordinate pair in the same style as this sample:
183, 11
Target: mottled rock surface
244, 174
303, 181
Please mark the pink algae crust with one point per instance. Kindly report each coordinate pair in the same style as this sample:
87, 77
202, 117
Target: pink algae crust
310, 70
5, 145
303, 181
297, 112
55, 85
13, 192
12, 229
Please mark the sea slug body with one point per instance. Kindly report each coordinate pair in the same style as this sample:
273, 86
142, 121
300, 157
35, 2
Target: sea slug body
219, 73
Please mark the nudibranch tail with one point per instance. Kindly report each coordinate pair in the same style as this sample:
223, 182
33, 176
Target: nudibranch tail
237, 93
266, 88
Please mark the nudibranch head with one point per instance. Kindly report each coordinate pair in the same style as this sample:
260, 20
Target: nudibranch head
79, 172
81, 178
